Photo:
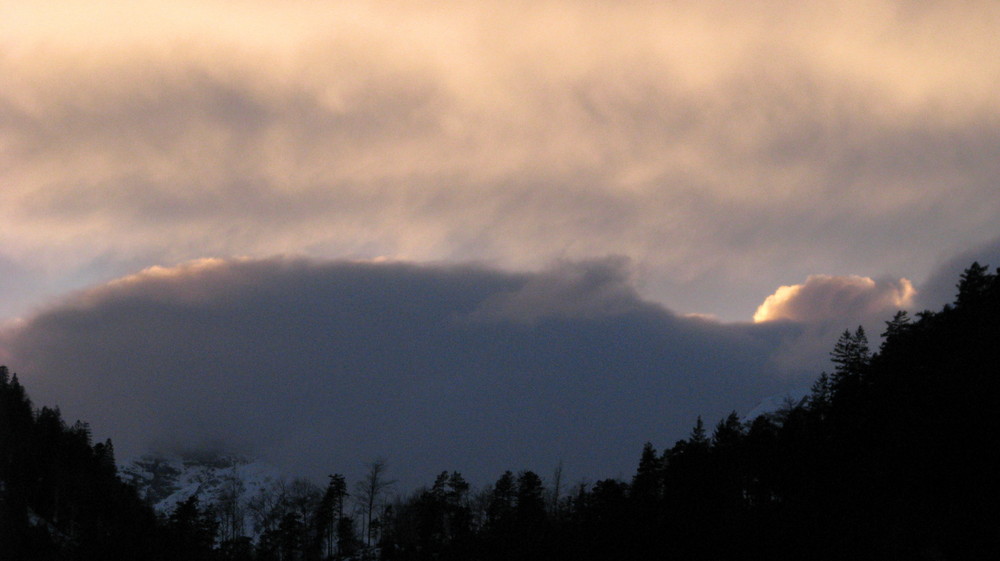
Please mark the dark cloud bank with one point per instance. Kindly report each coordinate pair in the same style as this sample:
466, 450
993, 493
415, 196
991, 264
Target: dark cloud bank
940, 287
320, 366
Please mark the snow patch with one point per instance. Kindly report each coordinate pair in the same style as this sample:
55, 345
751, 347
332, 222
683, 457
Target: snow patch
224, 485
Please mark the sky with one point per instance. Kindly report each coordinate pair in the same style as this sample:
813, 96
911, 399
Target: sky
676, 205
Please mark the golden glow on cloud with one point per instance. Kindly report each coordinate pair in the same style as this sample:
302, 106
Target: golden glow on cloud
175, 272
824, 297
766, 311
699, 139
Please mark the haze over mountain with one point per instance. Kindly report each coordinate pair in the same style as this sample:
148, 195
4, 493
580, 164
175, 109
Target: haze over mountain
321, 366
327, 365
500, 230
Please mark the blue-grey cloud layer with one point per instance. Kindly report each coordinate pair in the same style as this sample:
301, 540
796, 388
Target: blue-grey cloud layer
941, 286
323, 365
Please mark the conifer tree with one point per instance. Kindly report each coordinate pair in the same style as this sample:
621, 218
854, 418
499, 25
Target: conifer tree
648, 481
896, 326
728, 433
191, 531
500, 505
973, 284
698, 438
329, 513
850, 356
820, 395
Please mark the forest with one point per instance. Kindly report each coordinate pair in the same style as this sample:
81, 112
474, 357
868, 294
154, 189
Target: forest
888, 457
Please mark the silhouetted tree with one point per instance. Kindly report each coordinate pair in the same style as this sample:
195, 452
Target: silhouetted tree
328, 514
895, 327
850, 356
369, 492
60, 497
347, 541
973, 285
190, 531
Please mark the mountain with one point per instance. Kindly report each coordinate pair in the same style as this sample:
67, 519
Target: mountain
775, 403
237, 490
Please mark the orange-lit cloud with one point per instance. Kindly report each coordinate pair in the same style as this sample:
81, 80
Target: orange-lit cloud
824, 297
708, 142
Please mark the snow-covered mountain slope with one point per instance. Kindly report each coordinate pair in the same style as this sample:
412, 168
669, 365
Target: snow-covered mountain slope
240, 492
164, 481
774, 403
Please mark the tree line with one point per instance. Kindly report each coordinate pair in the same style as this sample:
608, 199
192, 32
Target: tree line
890, 456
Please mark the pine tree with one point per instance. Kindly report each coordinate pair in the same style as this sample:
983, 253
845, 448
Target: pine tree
347, 541
328, 514
530, 530
973, 284
851, 357
820, 395
500, 505
698, 435
896, 326
530, 499
728, 433
191, 531
647, 485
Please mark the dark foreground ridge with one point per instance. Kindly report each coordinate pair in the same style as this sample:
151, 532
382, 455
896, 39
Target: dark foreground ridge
893, 455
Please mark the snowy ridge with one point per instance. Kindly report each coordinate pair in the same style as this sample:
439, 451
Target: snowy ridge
224, 484
774, 403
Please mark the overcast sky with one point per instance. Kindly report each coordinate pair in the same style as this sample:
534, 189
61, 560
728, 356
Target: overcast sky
671, 170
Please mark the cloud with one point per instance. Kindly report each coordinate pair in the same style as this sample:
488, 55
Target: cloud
823, 307
706, 142
941, 286
320, 366
572, 290
823, 298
